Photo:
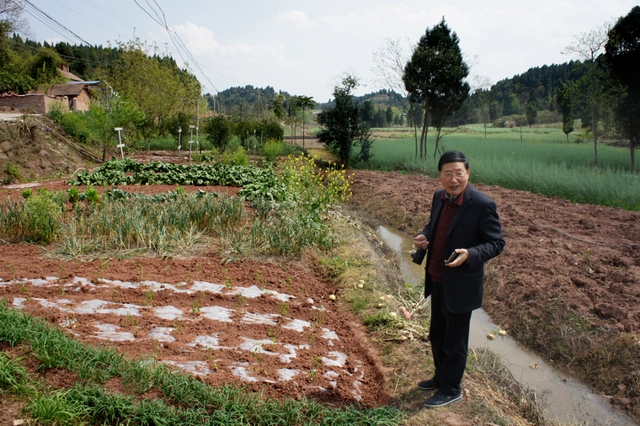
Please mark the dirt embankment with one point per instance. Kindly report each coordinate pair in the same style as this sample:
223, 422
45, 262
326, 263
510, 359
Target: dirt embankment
30, 150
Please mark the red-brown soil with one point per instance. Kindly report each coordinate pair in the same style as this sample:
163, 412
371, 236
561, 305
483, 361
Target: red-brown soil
563, 262
555, 249
580, 256
264, 324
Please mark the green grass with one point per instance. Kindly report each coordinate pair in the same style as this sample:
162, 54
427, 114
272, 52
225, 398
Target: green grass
184, 400
541, 163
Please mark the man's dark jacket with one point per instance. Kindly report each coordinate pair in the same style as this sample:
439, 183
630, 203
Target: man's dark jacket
475, 226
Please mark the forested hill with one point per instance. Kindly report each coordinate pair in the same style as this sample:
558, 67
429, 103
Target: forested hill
247, 100
539, 85
28, 64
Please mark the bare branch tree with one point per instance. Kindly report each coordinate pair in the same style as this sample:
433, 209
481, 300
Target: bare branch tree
11, 16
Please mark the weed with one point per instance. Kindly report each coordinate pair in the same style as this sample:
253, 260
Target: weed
13, 173
227, 283
148, 298
195, 306
242, 301
287, 281
92, 196
283, 309
130, 321
74, 195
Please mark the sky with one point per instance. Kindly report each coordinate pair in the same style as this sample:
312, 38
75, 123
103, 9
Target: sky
305, 47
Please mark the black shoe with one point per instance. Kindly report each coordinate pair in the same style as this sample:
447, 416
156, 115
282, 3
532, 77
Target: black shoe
428, 384
440, 400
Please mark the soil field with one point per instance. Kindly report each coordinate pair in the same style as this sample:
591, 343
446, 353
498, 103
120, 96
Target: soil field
270, 325
582, 261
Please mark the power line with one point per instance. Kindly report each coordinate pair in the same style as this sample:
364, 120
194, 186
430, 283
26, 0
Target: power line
50, 18
87, 17
179, 44
107, 12
47, 24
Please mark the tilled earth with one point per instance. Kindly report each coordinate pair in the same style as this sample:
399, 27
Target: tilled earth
555, 249
268, 325
582, 261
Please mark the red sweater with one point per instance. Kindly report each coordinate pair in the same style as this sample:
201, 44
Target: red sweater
436, 247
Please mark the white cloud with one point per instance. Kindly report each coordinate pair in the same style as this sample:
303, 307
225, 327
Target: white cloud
297, 20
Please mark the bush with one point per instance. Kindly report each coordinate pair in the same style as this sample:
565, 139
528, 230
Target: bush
510, 121
238, 157
13, 173
273, 149
37, 219
270, 129
75, 126
57, 109
548, 117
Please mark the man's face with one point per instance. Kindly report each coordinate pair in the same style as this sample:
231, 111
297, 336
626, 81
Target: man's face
454, 178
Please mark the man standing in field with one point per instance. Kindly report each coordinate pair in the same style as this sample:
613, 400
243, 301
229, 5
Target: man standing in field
463, 232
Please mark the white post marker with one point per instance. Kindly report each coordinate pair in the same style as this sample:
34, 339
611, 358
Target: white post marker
191, 127
179, 140
120, 144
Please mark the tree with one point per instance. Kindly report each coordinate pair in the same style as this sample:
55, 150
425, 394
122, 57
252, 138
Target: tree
11, 19
589, 46
103, 117
622, 53
531, 113
389, 115
277, 106
343, 126
366, 112
435, 78
563, 99
44, 67
155, 84
304, 102
219, 131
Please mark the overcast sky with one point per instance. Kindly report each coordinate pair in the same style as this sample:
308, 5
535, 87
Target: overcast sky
303, 47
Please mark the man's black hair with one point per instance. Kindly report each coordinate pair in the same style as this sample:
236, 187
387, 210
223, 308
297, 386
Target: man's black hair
453, 156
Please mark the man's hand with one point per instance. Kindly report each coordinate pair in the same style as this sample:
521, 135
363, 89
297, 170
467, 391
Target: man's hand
420, 241
463, 256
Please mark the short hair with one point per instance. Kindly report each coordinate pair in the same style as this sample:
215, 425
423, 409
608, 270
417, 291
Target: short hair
453, 156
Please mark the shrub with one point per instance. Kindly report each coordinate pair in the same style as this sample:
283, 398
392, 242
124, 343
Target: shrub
273, 149
13, 173
57, 109
36, 219
238, 157
75, 126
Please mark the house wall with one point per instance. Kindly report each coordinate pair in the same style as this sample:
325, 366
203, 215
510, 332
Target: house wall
82, 101
34, 104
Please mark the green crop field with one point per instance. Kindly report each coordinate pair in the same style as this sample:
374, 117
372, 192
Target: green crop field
542, 163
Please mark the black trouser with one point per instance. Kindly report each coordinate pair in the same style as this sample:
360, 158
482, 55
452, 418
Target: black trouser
449, 336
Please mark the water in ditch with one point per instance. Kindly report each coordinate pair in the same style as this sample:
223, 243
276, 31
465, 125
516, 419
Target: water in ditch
565, 399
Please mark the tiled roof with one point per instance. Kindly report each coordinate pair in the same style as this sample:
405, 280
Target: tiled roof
66, 90
70, 76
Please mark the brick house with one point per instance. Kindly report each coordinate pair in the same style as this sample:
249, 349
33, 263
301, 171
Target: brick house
74, 93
